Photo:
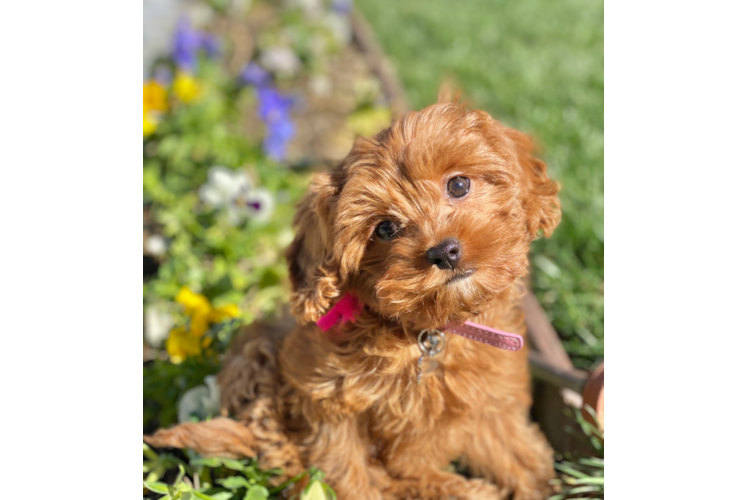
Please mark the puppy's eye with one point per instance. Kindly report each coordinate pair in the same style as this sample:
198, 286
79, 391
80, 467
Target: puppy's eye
458, 186
386, 230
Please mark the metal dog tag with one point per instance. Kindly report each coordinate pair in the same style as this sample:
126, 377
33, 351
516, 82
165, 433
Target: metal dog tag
431, 343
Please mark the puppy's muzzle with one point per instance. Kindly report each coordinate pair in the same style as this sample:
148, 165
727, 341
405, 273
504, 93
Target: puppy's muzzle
445, 255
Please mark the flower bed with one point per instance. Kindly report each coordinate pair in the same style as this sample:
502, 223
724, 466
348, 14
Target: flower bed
233, 127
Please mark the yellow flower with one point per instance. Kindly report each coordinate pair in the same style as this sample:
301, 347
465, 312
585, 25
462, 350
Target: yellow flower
154, 101
194, 303
186, 87
154, 96
182, 344
185, 342
198, 308
221, 313
149, 123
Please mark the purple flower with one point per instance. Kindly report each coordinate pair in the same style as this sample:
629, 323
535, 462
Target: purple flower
279, 134
254, 74
342, 6
275, 111
187, 42
210, 45
273, 105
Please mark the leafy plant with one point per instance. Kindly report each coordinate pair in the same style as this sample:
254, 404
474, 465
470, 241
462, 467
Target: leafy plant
583, 477
223, 479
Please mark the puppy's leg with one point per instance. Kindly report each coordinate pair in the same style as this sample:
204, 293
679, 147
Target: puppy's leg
220, 437
434, 484
505, 447
339, 451
418, 468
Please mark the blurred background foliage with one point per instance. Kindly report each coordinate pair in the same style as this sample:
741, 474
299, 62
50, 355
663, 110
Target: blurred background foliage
536, 66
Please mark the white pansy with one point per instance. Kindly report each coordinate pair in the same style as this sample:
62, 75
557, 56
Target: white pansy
155, 245
158, 323
223, 186
260, 203
232, 190
203, 401
281, 61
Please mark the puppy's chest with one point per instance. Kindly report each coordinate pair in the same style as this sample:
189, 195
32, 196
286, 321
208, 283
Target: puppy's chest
452, 385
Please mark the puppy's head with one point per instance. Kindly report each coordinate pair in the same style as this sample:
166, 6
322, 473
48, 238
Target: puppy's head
426, 222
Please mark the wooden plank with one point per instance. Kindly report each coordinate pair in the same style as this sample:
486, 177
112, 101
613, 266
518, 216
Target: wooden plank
560, 377
542, 335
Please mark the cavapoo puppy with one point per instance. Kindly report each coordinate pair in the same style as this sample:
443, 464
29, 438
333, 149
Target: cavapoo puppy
426, 225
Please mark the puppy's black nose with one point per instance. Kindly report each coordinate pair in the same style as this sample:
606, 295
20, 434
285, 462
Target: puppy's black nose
445, 255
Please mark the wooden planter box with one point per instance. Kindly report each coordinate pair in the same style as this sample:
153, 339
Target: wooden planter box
557, 385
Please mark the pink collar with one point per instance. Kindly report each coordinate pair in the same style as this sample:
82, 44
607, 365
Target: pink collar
349, 307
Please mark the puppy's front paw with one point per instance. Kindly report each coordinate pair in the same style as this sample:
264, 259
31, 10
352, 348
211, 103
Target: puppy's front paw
446, 486
479, 488
532, 481
528, 468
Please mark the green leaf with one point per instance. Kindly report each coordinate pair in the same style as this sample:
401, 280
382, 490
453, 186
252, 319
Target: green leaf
275, 472
222, 495
314, 491
584, 489
330, 492
156, 487
149, 453
208, 462
315, 474
592, 462
180, 475
203, 496
565, 467
257, 492
235, 482
233, 464
285, 483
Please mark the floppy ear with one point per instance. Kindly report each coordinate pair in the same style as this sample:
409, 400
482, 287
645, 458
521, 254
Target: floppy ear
540, 196
333, 228
315, 280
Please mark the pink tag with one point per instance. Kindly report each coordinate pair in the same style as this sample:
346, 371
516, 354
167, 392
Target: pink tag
487, 335
347, 309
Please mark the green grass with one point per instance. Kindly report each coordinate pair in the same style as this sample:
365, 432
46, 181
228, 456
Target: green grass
537, 66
